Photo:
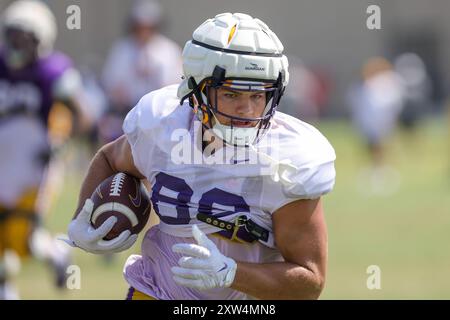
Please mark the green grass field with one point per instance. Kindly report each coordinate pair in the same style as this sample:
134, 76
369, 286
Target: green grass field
404, 232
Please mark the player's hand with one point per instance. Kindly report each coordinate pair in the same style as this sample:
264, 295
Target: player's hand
203, 266
83, 235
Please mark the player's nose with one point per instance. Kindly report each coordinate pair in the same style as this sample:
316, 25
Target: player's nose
245, 107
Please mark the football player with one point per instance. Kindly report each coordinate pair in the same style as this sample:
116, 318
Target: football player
142, 61
39, 97
250, 225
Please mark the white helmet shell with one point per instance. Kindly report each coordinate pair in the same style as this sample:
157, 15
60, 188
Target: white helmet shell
35, 17
244, 46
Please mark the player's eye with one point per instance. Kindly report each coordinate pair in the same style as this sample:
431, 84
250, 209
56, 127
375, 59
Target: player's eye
257, 96
230, 95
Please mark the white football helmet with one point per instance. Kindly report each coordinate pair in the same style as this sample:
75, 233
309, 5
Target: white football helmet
239, 52
33, 17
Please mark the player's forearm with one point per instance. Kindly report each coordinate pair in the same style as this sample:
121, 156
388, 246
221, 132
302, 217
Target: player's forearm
99, 170
279, 280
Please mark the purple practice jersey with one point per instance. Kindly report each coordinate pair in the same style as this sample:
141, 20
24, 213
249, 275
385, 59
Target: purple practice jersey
26, 97
30, 90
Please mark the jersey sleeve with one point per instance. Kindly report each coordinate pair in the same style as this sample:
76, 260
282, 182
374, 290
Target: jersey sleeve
145, 126
313, 182
68, 85
312, 173
140, 129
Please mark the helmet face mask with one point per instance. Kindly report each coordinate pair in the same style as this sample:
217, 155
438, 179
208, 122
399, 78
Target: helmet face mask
237, 53
237, 131
21, 48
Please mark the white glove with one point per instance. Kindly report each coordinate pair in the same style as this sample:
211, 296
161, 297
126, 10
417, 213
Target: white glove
83, 235
203, 267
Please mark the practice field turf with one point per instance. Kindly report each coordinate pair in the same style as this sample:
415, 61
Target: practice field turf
401, 225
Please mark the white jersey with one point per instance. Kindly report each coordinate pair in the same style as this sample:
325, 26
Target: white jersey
294, 162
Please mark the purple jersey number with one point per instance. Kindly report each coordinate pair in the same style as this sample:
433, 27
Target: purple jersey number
184, 194
222, 198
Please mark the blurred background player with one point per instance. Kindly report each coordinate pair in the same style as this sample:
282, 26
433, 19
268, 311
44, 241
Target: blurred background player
376, 103
143, 61
417, 90
40, 101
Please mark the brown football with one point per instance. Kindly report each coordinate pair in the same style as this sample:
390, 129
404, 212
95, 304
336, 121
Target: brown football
125, 197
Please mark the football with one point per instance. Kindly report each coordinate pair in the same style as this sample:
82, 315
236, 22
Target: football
125, 197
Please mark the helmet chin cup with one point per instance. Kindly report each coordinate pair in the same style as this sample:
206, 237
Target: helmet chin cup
16, 59
235, 136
